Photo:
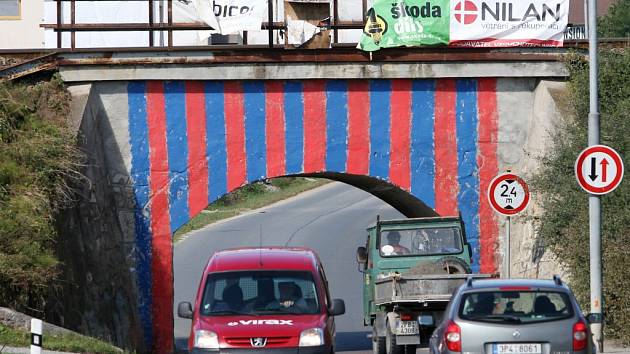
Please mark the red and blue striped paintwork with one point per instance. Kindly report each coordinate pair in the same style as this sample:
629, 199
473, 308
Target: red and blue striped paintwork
192, 142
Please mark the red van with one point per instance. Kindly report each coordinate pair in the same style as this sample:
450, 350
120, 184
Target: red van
275, 299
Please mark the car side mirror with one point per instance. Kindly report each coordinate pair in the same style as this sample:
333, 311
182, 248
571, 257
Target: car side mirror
184, 310
362, 256
338, 307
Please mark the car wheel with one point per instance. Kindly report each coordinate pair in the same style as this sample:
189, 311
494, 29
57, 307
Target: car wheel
390, 342
378, 343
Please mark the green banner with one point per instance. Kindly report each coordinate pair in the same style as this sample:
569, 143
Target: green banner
391, 23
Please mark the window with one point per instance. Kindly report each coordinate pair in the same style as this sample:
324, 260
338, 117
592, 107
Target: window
420, 242
259, 292
515, 306
10, 9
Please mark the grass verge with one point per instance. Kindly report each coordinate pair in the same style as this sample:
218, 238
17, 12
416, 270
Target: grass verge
68, 343
250, 197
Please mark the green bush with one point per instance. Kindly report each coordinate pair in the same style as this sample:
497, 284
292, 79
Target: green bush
617, 22
38, 164
564, 226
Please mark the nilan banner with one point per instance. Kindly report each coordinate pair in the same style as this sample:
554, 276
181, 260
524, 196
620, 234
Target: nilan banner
465, 23
226, 16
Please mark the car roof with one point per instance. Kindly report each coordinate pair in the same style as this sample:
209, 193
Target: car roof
488, 284
265, 258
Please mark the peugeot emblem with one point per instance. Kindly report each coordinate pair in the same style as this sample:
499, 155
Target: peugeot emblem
258, 342
516, 334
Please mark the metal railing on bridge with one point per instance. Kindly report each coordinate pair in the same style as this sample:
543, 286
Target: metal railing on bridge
158, 23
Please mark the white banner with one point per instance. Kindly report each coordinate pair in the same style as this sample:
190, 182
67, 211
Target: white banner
227, 16
508, 23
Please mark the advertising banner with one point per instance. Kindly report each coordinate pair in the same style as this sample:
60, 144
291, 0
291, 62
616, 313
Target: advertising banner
227, 16
406, 23
465, 23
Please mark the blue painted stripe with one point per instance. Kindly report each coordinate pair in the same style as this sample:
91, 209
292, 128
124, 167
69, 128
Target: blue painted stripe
294, 117
139, 142
422, 141
215, 131
380, 105
255, 144
177, 146
467, 171
336, 125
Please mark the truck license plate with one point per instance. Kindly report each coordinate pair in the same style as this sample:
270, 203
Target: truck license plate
517, 348
406, 328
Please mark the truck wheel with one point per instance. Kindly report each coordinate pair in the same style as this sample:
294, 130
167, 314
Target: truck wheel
378, 345
454, 265
390, 342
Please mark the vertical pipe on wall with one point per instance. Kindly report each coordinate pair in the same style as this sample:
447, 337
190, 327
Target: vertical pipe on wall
59, 21
270, 20
170, 24
72, 22
335, 20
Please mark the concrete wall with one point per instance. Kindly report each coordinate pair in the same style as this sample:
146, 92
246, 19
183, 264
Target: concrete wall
24, 33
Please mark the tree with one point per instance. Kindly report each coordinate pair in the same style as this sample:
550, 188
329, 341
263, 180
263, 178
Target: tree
617, 22
564, 225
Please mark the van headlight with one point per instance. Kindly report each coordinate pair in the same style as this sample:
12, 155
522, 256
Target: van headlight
312, 337
206, 340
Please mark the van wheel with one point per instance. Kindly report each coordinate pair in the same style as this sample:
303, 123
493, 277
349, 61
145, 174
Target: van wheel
378, 343
390, 342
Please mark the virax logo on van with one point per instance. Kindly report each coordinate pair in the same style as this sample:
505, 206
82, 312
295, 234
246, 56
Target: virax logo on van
261, 322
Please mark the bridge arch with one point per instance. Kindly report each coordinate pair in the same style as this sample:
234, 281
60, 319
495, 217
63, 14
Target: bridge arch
431, 144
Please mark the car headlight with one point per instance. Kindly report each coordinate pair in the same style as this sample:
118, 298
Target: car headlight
206, 340
311, 337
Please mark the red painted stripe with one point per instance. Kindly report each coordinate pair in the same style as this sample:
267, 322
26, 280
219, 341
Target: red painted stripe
488, 169
235, 135
274, 129
197, 162
314, 125
358, 127
446, 186
400, 133
161, 247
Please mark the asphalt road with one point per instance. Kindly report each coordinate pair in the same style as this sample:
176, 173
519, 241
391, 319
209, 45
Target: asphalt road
331, 220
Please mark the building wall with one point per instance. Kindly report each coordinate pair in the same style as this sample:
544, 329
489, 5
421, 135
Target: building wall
24, 33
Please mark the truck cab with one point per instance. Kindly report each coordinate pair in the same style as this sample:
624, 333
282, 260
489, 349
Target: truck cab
263, 298
410, 268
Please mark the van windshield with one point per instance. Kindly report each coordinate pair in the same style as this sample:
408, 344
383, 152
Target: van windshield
420, 242
259, 292
515, 306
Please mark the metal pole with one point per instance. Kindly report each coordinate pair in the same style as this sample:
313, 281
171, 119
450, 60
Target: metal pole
594, 202
507, 253
161, 4
586, 17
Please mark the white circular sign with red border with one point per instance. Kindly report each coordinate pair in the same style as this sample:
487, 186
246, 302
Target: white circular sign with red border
599, 169
508, 194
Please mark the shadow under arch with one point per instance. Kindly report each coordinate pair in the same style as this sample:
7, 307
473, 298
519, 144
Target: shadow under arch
398, 198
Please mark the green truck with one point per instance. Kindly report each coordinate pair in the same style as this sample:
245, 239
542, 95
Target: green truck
410, 267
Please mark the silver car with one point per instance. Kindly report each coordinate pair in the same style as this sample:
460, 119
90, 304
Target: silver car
512, 316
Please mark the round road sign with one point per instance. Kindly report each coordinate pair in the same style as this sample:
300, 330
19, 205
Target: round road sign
508, 194
599, 169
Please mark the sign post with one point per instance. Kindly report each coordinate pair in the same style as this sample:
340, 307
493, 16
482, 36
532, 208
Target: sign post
599, 170
508, 195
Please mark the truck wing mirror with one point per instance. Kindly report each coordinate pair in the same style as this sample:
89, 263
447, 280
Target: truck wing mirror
338, 307
362, 256
184, 310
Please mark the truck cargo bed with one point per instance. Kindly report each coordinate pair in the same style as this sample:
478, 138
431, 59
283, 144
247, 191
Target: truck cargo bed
418, 288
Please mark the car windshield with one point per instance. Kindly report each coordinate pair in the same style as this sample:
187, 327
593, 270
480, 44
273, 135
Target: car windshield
259, 292
425, 241
515, 306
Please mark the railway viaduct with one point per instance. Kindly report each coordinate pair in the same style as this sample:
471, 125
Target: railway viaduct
167, 133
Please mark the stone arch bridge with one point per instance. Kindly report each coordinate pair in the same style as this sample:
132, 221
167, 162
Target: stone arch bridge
168, 133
